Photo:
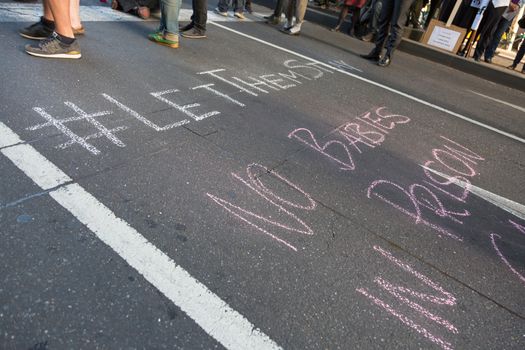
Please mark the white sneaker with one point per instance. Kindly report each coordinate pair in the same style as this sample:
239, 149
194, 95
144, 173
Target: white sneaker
295, 29
239, 15
219, 12
287, 25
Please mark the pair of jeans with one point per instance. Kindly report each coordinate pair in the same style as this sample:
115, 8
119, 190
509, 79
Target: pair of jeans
503, 25
296, 8
169, 16
393, 16
238, 5
279, 8
200, 14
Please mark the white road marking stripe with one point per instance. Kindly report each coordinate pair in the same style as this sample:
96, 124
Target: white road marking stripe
216, 317
519, 108
413, 98
11, 12
508, 205
44, 173
9, 138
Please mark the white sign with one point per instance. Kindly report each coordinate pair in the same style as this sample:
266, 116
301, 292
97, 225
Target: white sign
444, 38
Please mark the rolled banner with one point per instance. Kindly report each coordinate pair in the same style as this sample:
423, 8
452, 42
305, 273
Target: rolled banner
481, 5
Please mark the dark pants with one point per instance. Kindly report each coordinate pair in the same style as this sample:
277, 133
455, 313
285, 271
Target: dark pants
200, 14
502, 27
279, 8
393, 16
519, 55
487, 27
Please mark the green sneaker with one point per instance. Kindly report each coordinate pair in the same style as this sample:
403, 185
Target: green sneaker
52, 47
166, 39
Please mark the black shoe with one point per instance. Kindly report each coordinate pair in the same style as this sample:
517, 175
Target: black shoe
384, 61
476, 58
374, 55
194, 34
488, 60
38, 31
512, 67
186, 27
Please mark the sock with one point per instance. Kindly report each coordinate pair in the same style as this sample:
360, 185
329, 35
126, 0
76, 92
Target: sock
47, 23
65, 40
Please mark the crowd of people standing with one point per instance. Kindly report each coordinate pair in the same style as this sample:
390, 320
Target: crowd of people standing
60, 23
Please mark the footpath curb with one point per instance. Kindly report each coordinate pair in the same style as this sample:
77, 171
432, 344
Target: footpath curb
489, 72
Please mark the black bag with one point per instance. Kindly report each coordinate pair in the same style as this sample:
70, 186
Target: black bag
521, 22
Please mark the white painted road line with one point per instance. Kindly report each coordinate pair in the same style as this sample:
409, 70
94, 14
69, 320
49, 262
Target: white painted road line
211, 313
508, 205
413, 98
522, 109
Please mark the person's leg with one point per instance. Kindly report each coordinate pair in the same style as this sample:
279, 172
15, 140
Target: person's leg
519, 56
342, 15
223, 6
238, 8
398, 19
290, 11
485, 30
42, 29
200, 14
168, 34
503, 25
62, 43
355, 21
74, 14
60, 11
387, 6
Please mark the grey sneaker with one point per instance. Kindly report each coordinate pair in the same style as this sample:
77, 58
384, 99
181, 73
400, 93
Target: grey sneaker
194, 33
37, 31
52, 47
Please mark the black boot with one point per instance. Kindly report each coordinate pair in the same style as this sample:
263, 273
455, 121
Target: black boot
385, 60
374, 55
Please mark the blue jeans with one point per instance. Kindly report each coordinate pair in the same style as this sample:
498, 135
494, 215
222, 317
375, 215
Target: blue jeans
503, 25
238, 5
169, 16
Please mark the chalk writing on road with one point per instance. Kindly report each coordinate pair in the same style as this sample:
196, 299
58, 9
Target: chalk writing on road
414, 299
367, 130
493, 236
294, 74
280, 204
420, 201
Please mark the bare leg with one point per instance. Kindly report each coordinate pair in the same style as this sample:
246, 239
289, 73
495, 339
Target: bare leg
47, 11
60, 11
342, 16
74, 13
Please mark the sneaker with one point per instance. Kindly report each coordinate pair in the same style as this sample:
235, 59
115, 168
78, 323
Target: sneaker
293, 30
52, 47
194, 34
166, 39
272, 19
38, 30
219, 12
186, 27
239, 15
248, 8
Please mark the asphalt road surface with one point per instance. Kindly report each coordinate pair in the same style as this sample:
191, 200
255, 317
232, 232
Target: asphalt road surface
256, 191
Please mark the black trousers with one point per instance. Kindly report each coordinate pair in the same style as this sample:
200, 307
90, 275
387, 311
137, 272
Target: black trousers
393, 17
200, 14
487, 27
